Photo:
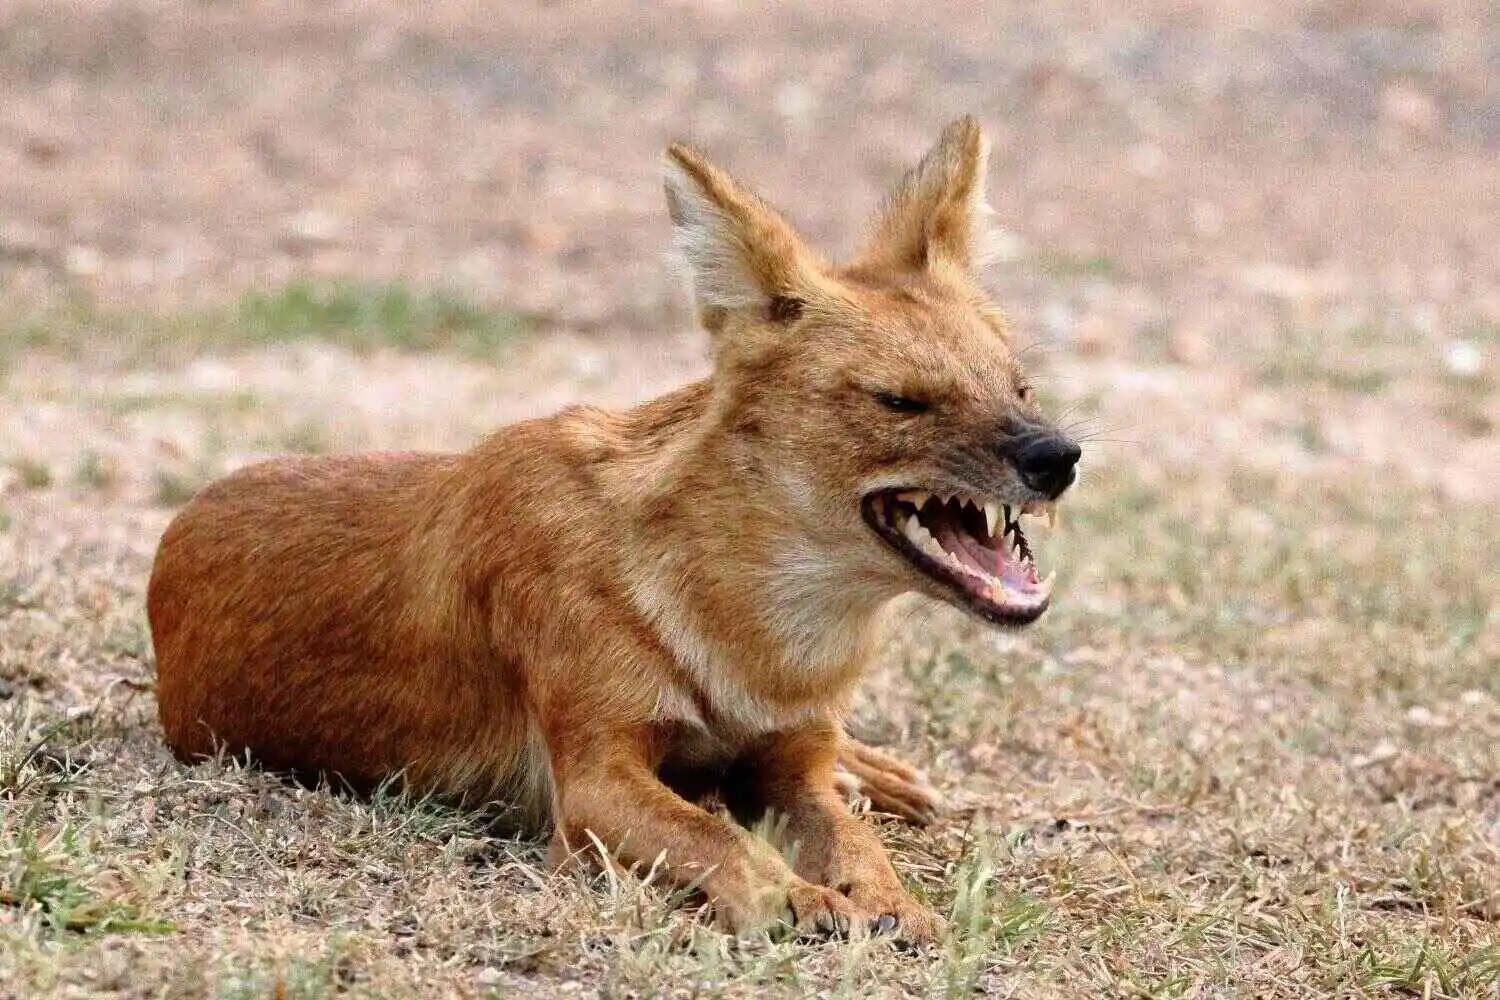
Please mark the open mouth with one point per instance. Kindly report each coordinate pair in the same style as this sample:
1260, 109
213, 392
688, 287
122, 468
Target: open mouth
974, 547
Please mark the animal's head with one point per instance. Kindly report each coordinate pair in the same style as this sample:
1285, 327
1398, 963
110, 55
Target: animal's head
881, 400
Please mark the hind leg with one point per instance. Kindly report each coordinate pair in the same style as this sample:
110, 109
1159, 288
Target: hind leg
891, 785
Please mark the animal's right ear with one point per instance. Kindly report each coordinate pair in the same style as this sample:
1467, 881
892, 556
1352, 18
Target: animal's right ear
736, 251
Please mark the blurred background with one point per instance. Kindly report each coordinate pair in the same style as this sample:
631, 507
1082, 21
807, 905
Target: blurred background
1253, 249
1207, 201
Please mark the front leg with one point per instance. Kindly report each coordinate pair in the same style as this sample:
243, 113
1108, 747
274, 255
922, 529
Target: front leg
607, 788
794, 777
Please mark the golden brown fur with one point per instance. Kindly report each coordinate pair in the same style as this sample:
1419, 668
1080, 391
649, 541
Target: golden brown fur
593, 615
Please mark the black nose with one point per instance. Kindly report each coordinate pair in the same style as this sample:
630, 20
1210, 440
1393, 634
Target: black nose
1047, 464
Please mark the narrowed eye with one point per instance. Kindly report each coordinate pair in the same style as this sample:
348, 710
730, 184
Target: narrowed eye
901, 404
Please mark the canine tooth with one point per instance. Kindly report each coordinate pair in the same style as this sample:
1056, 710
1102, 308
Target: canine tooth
991, 516
917, 498
919, 536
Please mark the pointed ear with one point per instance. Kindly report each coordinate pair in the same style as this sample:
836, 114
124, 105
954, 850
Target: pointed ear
938, 211
737, 253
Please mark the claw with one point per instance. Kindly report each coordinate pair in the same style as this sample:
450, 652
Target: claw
832, 923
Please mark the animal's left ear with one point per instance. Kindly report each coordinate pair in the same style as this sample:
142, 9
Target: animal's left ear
938, 212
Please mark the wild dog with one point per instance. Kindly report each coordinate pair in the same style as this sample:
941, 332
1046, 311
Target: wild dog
598, 616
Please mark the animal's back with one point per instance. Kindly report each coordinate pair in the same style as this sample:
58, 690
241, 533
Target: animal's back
287, 623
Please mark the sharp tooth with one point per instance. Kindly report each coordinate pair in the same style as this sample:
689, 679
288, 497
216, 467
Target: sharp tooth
917, 498
1052, 515
919, 536
1045, 586
991, 516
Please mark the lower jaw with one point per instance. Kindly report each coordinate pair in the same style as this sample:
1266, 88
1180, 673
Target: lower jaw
948, 586
1009, 615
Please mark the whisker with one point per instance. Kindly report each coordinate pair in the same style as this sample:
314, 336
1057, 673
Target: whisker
1103, 434
1076, 423
1097, 429
1070, 408
1060, 387
1039, 346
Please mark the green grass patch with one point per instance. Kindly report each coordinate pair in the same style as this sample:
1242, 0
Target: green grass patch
41, 877
363, 317
95, 472
1067, 265
1358, 380
34, 474
50, 868
174, 487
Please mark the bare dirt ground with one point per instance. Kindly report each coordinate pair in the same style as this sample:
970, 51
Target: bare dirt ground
1253, 751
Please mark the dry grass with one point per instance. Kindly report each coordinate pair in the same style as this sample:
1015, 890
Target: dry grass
1254, 750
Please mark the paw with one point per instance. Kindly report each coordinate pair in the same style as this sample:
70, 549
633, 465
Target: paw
820, 912
914, 803
806, 909
890, 910
890, 785
910, 921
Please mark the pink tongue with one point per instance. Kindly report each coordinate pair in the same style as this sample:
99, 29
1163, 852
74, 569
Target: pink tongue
969, 552
996, 562
1023, 576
